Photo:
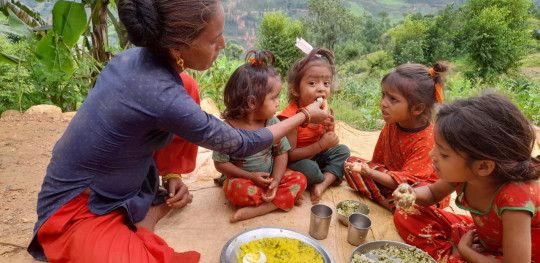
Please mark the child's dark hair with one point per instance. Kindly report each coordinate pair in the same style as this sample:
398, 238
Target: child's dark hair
491, 127
417, 83
317, 56
248, 83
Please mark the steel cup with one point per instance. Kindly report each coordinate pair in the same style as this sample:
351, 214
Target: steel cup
319, 221
359, 225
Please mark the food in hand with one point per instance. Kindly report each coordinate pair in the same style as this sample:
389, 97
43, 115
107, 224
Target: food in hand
324, 103
404, 196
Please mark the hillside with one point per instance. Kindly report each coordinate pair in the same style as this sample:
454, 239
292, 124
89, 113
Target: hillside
244, 16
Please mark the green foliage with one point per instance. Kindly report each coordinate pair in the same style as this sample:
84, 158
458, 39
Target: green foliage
497, 35
278, 34
212, 81
409, 40
329, 22
357, 103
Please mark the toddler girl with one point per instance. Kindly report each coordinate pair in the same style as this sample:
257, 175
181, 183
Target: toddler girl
482, 151
315, 149
261, 182
409, 94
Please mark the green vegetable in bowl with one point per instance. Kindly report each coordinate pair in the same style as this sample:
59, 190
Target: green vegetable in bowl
391, 254
348, 207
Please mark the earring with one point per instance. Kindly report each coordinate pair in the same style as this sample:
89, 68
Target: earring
180, 62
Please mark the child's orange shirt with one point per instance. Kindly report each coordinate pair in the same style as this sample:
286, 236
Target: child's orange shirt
306, 136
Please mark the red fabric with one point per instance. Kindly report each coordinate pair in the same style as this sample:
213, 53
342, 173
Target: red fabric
245, 193
376, 191
74, 234
306, 136
511, 197
179, 156
402, 155
433, 230
406, 154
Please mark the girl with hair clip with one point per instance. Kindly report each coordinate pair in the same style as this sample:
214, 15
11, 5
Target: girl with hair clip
315, 149
409, 94
260, 182
482, 151
99, 200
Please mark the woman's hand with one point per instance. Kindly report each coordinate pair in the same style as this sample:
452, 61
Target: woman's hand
317, 114
329, 124
179, 195
404, 196
261, 179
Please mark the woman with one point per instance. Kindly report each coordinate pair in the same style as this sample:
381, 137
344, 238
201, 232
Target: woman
95, 201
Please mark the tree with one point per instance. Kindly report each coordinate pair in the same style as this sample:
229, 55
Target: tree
497, 35
410, 40
277, 33
330, 22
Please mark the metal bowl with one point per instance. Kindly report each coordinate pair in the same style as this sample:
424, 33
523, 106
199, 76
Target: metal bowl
363, 208
366, 248
232, 247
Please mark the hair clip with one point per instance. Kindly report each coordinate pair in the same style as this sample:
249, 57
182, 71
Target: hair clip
254, 62
438, 88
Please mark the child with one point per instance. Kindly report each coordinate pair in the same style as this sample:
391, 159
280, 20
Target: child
315, 149
483, 152
261, 182
409, 94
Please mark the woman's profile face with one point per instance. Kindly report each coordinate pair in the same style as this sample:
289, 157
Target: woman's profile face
205, 49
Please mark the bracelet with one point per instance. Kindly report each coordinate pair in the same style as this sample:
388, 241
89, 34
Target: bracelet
308, 116
319, 142
165, 179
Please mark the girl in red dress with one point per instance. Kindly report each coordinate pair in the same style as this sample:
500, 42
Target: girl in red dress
409, 94
261, 183
482, 151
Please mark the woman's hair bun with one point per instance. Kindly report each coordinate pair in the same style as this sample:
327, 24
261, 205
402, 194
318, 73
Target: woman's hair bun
142, 22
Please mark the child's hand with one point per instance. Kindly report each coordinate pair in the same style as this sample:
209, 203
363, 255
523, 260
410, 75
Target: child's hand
261, 179
404, 196
470, 241
179, 195
270, 192
329, 123
328, 140
358, 167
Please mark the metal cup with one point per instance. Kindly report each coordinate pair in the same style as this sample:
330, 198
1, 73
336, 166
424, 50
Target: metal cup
359, 225
319, 221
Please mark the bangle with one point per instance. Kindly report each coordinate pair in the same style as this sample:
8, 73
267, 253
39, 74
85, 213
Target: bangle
308, 116
319, 142
165, 179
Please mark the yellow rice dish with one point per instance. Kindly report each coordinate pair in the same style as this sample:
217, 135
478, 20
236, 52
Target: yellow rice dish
281, 250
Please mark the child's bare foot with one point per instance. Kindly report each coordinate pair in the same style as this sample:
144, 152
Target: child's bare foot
155, 213
299, 201
252, 211
318, 189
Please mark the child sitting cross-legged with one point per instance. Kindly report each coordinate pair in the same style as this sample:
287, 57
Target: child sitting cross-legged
259, 183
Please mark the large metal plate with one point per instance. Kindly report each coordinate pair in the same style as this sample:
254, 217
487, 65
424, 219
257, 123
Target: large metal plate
366, 248
232, 247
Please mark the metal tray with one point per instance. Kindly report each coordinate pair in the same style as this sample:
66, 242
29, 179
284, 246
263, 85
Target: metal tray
366, 248
232, 247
